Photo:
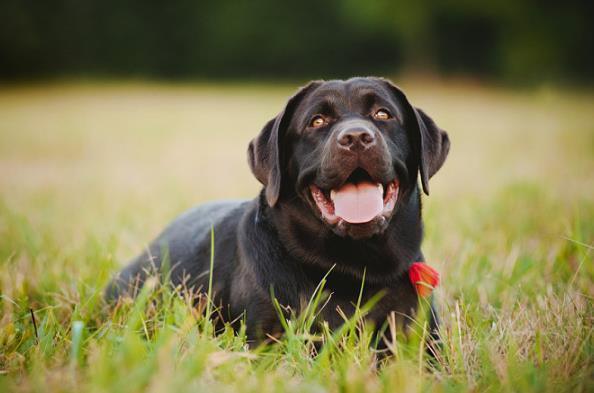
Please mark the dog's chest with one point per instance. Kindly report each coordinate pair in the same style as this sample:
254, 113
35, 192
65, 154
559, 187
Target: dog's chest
377, 303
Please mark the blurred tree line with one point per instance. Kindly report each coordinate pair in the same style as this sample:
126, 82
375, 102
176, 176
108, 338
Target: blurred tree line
513, 40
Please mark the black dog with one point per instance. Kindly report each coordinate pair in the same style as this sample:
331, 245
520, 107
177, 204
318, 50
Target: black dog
339, 167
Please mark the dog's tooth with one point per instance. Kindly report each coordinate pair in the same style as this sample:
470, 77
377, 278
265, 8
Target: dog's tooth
332, 194
380, 186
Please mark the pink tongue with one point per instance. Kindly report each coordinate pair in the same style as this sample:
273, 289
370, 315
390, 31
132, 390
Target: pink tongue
358, 203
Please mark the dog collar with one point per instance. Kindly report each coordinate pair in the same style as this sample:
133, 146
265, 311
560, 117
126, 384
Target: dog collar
424, 278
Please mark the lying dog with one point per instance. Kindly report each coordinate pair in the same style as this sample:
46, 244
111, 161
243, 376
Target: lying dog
339, 167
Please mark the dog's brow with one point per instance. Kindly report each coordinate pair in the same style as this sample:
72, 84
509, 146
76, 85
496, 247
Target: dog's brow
368, 98
325, 107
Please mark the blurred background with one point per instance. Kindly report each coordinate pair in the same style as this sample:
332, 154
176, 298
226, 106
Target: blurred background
515, 41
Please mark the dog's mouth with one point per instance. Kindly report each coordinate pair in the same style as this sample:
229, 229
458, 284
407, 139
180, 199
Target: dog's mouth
359, 200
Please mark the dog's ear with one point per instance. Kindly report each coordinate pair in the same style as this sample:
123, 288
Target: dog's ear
432, 143
265, 151
435, 146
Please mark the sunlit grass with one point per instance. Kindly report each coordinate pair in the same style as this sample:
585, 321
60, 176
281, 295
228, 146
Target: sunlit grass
89, 173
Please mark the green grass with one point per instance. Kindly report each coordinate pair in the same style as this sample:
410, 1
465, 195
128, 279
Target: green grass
89, 173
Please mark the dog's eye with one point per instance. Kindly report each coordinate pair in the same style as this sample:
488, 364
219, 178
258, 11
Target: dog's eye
382, 114
317, 121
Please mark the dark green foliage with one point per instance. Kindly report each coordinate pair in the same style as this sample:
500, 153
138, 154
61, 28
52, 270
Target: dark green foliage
518, 41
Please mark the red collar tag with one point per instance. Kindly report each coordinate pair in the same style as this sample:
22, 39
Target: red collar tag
423, 277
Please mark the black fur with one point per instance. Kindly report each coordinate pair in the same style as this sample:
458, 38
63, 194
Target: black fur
279, 240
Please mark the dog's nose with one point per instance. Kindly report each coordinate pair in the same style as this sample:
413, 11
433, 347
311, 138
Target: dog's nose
357, 138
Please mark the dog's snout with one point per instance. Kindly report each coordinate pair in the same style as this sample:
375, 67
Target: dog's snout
356, 138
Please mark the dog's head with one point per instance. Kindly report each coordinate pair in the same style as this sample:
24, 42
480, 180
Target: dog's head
351, 150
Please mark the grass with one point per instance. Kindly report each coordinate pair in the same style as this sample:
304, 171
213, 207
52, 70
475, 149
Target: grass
90, 172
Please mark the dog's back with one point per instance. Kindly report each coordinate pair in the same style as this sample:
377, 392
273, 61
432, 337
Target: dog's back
183, 249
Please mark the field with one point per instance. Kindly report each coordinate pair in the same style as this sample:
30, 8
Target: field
90, 172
